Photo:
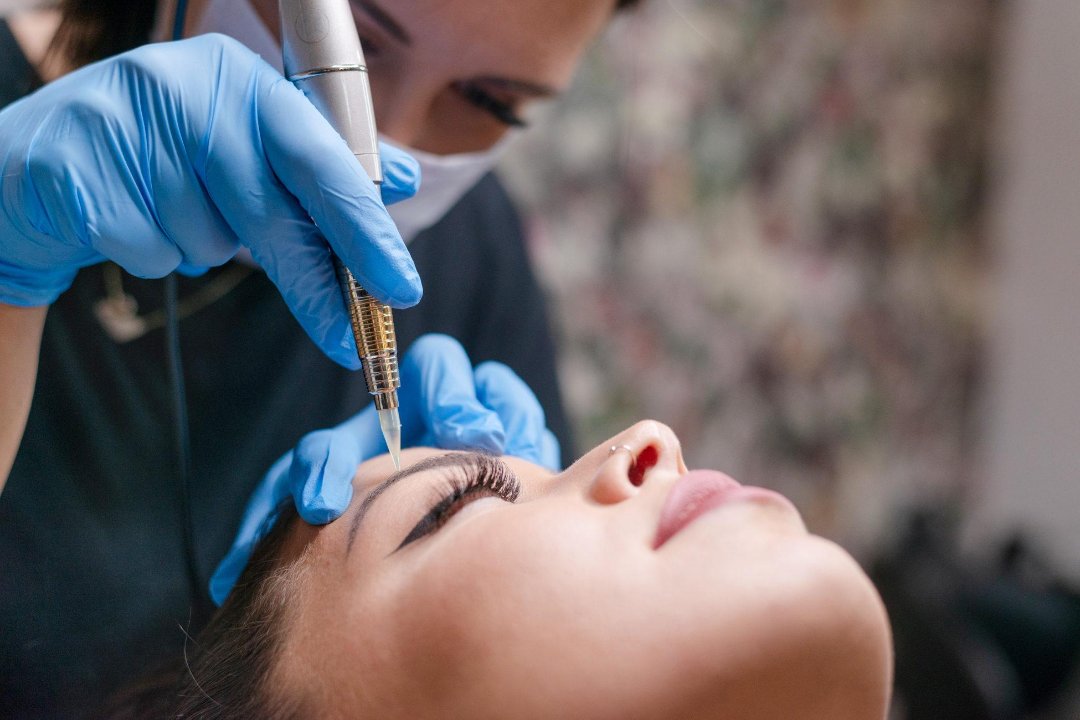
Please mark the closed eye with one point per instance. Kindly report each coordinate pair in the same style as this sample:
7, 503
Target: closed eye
502, 111
483, 478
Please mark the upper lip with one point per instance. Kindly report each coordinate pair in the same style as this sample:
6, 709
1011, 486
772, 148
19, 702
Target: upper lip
692, 495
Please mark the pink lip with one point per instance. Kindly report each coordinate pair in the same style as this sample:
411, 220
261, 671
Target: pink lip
699, 491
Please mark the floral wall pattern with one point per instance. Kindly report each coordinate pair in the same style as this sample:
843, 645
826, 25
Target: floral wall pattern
761, 221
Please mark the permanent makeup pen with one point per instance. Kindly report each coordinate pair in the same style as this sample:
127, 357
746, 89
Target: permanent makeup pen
324, 59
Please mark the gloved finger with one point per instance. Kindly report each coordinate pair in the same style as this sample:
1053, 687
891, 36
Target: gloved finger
122, 229
499, 388
181, 203
297, 260
192, 222
438, 393
324, 463
321, 482
191, 270
145, 252
278, 231
401, 174
316, 166
550, 452
148, 228
258, 518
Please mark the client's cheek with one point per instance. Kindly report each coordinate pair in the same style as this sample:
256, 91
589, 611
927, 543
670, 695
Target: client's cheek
474, 611
437, 630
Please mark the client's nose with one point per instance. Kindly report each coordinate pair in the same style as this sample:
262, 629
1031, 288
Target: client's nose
628, 460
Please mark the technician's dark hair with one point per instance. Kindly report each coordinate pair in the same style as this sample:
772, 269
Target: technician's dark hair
91, 30
94, 29
227, 672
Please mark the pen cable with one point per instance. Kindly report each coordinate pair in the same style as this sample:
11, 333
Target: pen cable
181, 427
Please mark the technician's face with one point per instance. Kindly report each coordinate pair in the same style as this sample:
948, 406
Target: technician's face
595, 593
453, 76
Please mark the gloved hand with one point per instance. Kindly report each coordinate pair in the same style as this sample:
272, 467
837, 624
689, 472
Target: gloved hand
178, 153
444, 403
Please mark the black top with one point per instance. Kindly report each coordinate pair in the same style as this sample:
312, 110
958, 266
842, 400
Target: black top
92, 584
19, 77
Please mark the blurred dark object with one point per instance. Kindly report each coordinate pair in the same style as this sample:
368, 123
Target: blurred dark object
91, 30
989, 640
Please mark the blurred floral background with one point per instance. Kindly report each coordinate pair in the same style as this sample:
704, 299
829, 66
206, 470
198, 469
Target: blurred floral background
769, 224
762, 222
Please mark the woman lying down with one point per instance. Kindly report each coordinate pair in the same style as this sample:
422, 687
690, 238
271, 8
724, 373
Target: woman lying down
473, 586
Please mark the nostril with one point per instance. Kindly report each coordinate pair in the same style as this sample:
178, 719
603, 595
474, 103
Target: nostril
645, 460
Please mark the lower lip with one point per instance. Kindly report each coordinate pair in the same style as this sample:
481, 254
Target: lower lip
700, 491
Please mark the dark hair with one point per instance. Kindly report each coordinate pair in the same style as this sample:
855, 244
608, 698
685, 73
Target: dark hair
228, 670
94, 29
90, 30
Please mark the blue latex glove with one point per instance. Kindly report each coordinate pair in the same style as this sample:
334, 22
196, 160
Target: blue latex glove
175, 154
444, 403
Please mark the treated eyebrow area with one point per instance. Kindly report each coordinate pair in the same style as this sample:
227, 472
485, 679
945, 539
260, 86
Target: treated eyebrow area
389, 24
434, 462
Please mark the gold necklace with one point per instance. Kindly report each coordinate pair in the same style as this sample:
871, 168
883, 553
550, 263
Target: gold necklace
118, 312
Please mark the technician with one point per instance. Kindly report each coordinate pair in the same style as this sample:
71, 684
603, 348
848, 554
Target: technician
196, 156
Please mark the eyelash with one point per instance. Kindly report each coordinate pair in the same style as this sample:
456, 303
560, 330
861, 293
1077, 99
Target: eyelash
501, 111
477, 97
487, 478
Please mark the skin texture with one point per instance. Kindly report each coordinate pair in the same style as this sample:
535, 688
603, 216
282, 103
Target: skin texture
415, 85
33, 30
559, 605
20, 342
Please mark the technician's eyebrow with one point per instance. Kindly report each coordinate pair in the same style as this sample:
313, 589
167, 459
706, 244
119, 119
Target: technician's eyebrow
387, 23
435, 462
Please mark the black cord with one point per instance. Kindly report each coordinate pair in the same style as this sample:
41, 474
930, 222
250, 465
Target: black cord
178, 20
181, 438
181, 428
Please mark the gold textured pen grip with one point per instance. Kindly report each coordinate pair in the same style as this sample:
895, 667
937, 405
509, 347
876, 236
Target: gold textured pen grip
376, 341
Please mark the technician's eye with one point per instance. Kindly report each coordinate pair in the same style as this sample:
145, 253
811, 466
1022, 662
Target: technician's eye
502, 111
487, 478
371, 48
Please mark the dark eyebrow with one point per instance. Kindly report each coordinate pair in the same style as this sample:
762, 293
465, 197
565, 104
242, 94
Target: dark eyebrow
435, 462
388, 23
525, 87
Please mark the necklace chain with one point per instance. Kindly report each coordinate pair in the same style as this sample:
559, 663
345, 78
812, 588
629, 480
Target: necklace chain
118, 312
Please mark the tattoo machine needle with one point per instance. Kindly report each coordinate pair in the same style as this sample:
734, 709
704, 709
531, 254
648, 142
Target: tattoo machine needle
323, 58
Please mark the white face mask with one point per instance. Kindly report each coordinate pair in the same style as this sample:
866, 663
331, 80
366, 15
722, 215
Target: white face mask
444, 179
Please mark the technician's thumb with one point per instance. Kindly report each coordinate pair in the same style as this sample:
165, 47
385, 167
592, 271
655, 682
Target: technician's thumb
438, 393
401, 174
320, 478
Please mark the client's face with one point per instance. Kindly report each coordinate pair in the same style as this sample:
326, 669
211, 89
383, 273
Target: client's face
623, 587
